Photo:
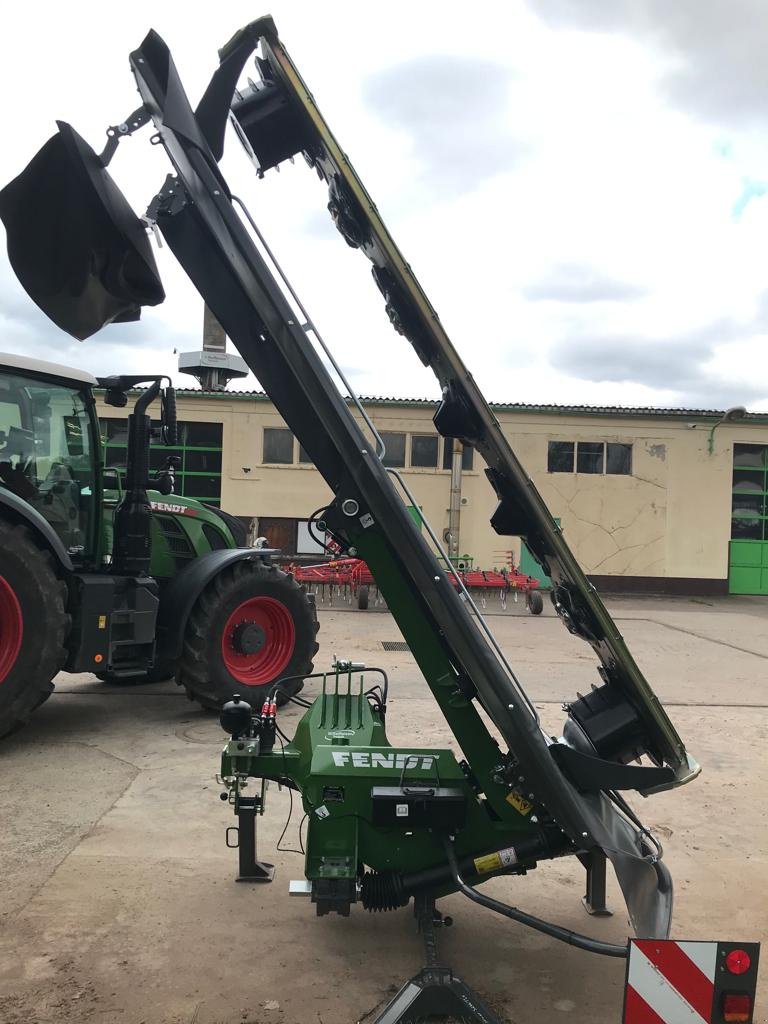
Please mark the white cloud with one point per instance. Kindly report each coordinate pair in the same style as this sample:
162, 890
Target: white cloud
589, 162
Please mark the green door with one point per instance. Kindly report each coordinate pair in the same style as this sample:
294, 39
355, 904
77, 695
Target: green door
748, 554
531, 567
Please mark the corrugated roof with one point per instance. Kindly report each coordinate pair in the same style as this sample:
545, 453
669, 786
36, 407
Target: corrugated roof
554, 409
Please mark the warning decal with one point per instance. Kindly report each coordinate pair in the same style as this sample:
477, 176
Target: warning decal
506, 858
519, 802
670, 982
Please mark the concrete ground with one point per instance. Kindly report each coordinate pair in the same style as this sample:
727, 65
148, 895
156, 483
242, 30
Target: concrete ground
117, 899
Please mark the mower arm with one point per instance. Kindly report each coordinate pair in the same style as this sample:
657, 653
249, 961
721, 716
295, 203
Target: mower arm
195, 213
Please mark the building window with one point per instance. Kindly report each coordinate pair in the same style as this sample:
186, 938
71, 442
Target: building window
203, 461
304, 459
309, 540
590, 457
195, 485
612, 458
114, 431
278, 446
292, 536
280, 532
424, 451
467, 455
199, 455
395, 448
202, 435
618, 459
560, 457
749, 508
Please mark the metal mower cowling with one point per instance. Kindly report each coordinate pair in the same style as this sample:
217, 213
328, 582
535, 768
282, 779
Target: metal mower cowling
385, 824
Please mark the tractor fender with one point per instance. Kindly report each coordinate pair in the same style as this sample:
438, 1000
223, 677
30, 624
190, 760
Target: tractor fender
178, 597
21, 509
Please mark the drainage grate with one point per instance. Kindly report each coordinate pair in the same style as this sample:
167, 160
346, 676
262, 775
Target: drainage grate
395, 645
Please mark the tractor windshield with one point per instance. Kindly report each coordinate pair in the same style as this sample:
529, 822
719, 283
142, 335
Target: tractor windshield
47, 457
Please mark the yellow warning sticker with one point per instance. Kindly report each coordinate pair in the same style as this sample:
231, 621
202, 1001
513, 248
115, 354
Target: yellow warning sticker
520, 804
102, 622
491, 862
506, 858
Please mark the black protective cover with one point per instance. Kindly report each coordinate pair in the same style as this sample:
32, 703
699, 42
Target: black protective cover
75, 244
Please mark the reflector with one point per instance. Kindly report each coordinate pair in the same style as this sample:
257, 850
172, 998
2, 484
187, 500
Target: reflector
738, 961
75, 244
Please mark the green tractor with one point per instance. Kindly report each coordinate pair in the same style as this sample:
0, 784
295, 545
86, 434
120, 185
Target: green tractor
129, 581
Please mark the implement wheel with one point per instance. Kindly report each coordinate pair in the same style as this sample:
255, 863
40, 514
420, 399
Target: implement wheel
363, 595
33, 625
534, 602
251, 626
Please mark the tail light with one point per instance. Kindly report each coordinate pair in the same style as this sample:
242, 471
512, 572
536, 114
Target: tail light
737, 1009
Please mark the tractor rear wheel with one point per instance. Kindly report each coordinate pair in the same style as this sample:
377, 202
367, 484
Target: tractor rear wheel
33, 625
250, 627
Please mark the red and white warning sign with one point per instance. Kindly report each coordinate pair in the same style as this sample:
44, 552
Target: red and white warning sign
671, 982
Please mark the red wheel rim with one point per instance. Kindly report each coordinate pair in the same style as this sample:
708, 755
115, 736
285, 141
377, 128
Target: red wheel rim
11, 628
275, 622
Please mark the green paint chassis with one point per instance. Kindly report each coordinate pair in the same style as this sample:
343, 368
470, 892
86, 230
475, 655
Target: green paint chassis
371, 804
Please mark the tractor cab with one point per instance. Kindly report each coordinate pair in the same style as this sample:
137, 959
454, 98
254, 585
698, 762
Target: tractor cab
50, 449
107, 571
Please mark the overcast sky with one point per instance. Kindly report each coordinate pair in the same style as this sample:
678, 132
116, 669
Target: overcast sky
580, 185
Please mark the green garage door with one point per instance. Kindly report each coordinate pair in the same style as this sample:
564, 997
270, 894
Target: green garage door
531, 567
748, 560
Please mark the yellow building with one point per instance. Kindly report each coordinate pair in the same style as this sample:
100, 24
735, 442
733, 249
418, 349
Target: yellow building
650, 500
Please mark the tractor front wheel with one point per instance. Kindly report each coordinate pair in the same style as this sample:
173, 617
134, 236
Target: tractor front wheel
252, 626
33, 625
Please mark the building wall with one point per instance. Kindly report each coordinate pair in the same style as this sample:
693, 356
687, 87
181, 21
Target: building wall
669, 520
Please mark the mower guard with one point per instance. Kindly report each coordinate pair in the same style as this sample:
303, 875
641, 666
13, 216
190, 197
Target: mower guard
79, 250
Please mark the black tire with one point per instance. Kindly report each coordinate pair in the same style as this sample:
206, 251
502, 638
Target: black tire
203, 671
35, 599
534, 602
363, 595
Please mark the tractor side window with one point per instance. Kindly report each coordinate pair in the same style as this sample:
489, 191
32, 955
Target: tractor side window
46, 455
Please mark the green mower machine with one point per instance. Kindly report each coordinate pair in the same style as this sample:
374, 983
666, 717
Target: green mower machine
136, 584
385, 825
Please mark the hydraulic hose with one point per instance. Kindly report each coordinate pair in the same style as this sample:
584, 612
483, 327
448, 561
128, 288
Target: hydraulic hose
553, 930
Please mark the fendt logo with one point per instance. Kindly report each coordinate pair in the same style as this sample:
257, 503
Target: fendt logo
370, 759
168, 506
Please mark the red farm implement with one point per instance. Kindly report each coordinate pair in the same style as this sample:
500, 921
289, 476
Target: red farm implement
350, 579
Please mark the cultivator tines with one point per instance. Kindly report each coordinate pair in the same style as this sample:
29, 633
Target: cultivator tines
346, 579
338, 579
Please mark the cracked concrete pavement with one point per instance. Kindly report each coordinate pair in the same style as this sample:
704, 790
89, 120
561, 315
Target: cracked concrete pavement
117, 899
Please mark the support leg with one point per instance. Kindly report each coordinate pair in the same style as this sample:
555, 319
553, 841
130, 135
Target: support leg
249, 868
594, 898
435, 991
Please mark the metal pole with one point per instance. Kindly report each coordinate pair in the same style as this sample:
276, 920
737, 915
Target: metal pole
454, 509
214, 340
